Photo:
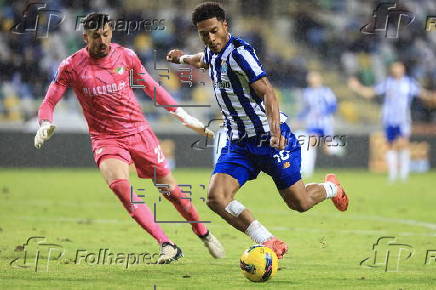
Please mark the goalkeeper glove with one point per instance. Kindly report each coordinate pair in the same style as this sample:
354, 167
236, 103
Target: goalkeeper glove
192, 122
45, 131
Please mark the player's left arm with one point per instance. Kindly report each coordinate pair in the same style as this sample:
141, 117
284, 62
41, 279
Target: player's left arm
154, 90
264, 89
428, 96
422, 93
245, 61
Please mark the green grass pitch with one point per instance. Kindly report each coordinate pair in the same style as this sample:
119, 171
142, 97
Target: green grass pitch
75, 210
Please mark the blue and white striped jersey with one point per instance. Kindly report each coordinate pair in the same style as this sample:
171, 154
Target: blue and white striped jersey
319, 105
399, 94
232, 71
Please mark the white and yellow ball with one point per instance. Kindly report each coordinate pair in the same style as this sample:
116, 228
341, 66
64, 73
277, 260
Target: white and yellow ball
259, 263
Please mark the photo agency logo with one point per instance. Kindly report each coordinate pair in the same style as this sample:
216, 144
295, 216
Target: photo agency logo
124, 25
388, 17
37, 254
212, 141
334, 143
39, 20
388, 254
186, 197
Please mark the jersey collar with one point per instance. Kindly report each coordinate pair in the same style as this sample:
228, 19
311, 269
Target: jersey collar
225, 47
103, 59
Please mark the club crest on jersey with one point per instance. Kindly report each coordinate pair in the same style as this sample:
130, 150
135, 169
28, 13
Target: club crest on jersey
223, 66
119, 70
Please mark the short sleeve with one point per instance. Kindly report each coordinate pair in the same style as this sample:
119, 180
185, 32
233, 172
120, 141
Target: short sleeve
63, 75
414, 88
380, 88
330, 96
206, 56
330, 99
244, 59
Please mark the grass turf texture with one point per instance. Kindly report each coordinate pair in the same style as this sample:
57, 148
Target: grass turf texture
75, 209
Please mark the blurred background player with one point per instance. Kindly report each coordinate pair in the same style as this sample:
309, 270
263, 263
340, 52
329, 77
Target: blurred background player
398, 90
317, 115
120, 134
259, 138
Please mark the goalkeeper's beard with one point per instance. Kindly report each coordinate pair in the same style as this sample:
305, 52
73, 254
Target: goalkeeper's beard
100, 51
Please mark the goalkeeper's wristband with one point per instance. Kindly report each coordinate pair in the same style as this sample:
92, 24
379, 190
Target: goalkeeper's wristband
182, 59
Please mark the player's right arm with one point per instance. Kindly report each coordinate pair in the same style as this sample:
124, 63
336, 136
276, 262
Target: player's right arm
360, 89
178, 57
54, 93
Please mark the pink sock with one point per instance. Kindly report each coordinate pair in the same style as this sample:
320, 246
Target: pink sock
186, 209
139, 212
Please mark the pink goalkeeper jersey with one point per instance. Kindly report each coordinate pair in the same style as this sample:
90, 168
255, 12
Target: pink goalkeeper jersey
103, 90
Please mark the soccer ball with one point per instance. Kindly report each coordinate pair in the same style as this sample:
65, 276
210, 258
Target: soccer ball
259, 263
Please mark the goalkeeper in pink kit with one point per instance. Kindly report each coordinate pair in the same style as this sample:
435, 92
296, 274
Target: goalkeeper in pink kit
120, 134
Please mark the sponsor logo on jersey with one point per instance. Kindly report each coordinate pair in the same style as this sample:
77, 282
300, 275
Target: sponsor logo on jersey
223, 66
107, 89
221, 85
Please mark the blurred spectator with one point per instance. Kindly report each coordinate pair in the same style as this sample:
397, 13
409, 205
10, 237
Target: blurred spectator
329, 28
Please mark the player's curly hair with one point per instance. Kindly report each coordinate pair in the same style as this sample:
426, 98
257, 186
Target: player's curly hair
95, 21
208, 10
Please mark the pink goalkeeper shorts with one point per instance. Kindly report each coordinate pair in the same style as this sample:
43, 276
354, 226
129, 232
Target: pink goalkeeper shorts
142, 149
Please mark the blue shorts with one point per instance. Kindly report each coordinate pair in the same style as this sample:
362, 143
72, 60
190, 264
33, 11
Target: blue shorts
395, 132
245, 159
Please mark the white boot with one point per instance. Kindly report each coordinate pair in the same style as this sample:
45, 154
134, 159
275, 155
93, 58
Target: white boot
216, 249
169, 253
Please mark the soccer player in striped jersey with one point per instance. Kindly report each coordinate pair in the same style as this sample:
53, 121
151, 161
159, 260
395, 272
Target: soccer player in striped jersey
398, 91
120, 134
259, 138
317, 111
